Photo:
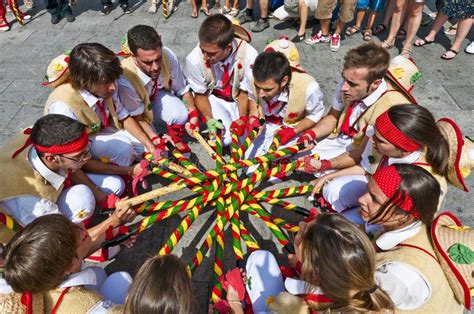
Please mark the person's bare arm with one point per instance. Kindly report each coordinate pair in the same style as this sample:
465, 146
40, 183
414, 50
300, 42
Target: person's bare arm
327, 124
304, 125
97, 166
188, 100
132, 126
243, 103
203, 105
80, 177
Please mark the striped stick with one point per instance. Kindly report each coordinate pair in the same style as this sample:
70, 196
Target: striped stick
9, 222
285, 192
250, 242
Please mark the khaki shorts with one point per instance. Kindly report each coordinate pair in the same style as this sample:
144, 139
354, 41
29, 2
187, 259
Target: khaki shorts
326, 7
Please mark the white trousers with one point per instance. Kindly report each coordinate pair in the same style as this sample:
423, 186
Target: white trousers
332, 147
114, 287
263, 141
114, 146
344, 192
77, 202
225, 111
169, 108
264, 279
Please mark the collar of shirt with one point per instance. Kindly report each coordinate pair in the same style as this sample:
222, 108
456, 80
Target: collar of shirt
54, 178
90, 99
281, 97
230, 59
372, 98
84, 277
142, 76
405, 160
390, 239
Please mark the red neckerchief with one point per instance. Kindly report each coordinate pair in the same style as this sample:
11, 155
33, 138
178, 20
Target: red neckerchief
154, 90
105, 123
226, 91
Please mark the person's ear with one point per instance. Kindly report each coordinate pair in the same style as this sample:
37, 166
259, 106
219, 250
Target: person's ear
50, 158
376, 84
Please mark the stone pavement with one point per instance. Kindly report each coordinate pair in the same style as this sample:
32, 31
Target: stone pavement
447, 88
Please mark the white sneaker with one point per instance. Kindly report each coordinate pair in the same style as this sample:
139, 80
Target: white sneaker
335, 42
318, 38
470, 48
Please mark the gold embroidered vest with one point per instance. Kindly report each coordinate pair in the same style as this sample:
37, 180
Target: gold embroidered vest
131, 74
393, 96
85, 114
442, 298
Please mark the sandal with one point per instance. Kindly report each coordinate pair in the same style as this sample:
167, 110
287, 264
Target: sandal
451, 31
205, 11
422, 42
352, 30
444, 57
387, 44
234, 12
401, 34
379, 29
223, 10
194, 15
367, 35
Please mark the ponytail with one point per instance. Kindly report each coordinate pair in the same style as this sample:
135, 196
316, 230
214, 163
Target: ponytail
418, 124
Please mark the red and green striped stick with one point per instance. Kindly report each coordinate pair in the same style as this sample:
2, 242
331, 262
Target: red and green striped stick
250, 242
9, 222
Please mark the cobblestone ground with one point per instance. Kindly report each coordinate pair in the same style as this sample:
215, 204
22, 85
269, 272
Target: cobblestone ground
447, 88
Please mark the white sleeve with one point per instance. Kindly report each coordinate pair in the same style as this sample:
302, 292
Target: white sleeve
178, 80
337, 103
25, 209
129, 97
314, 102
60, 107
194, 73
121, 111
407, 288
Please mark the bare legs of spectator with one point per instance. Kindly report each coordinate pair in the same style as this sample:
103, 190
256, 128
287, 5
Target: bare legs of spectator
464, 26
303, 11
247, 14
438, 23
415, 12
262, 22
397, 17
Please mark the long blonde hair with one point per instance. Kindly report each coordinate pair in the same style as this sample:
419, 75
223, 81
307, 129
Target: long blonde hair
339, 258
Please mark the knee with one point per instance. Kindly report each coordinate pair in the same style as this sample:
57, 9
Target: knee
113, 184
259, 256
77, 203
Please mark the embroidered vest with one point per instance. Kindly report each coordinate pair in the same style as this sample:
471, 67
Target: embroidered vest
76, 300
238, 69
131, 74
18, 176
393, 96
85, 114
442, 298
11, 303
296, 97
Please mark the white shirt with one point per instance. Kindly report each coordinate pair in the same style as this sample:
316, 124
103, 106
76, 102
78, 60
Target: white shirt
365, 162
361, 106
26, 208
129, 97
314, 107
60, 107
195, 68
405, 285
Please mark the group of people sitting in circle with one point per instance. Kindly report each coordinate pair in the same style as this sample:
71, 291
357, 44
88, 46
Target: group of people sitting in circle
382, 162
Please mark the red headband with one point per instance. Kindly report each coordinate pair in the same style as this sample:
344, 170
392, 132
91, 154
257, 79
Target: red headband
388, 180
72, 147
389, 131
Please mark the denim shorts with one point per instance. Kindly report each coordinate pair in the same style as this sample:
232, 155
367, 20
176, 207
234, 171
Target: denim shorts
374, 5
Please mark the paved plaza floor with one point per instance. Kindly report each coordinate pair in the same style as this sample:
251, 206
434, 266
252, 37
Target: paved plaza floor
446, 88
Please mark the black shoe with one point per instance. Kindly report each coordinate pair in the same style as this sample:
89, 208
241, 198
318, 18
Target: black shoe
55, 19
106, 9
70, 18
125, 8
298, 38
